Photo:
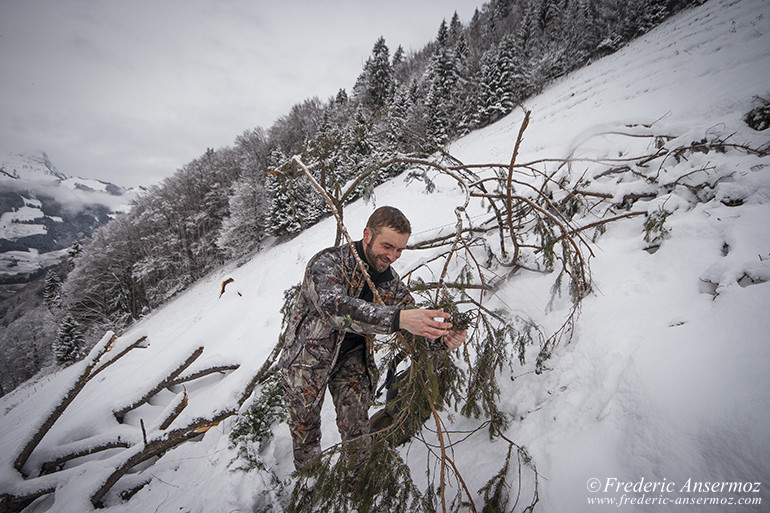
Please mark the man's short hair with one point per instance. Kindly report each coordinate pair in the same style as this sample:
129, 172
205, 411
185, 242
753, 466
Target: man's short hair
391, 217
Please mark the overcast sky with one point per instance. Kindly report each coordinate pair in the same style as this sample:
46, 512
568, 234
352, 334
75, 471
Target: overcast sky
128, 91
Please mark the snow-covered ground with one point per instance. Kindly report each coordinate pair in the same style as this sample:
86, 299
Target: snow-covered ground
665, 385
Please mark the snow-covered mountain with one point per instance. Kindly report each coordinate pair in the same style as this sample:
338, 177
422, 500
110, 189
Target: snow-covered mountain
660, 402
43, 212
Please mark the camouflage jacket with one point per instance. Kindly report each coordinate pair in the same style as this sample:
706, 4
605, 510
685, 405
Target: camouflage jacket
328, 305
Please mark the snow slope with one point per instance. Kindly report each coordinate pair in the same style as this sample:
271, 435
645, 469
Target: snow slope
664, 386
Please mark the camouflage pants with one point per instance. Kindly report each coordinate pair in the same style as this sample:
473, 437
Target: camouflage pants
304, 389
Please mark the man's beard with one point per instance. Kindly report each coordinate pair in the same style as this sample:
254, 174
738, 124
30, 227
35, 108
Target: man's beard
372, 259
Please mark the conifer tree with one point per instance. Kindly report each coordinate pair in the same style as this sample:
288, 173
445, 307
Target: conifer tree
52, 291
455, 28
442, 78
72, 254
283, 218
293, 205
398, 57
499, 71
69, 344
376, 82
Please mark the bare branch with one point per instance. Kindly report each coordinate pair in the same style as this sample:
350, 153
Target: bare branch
509, 187
166, 382
88, 365
156, 446
204, 372
140, 343
118, 442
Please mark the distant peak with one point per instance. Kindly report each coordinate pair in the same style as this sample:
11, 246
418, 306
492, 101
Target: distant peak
34, 166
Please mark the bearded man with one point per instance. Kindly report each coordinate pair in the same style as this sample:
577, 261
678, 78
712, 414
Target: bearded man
332, 324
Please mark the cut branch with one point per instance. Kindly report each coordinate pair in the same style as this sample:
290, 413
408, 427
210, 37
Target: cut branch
179, 404
155, 447
204, 372
99, 349
168, 381
139, 343
55, 465
15, 503
509, 187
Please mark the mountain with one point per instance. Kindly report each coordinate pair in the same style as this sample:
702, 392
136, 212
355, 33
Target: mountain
43, 212
659, 401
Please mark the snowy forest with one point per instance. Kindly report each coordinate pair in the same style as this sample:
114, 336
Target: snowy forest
230, 201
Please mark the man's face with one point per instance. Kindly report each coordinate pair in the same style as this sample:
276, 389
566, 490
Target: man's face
384, 248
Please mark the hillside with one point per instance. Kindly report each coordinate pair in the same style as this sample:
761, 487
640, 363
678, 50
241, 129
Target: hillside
663, 385
43, 211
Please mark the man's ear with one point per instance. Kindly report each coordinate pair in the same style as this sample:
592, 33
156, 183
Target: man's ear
367, 235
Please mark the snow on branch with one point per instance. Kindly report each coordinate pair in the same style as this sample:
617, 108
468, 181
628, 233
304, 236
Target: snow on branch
141, 342
157, 444
87, 366
213, 369
167, 381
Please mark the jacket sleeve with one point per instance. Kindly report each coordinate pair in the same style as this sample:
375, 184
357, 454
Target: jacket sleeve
326, 289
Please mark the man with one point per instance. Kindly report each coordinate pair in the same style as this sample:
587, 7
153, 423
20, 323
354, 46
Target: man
326, 344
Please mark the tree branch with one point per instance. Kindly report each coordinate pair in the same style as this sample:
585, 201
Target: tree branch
88, 365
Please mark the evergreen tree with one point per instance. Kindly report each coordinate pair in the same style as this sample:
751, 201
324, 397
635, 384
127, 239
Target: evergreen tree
69, 344
294, 205
282, 219
548, 12
52, 291
342, 97
398, 57
442, 78
527, 32
455, 28
72, 254
502, 85
376, 83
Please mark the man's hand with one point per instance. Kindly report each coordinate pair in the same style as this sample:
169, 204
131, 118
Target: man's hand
454, 339
422, 322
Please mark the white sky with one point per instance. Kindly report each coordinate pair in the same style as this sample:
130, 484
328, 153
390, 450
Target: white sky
130, 91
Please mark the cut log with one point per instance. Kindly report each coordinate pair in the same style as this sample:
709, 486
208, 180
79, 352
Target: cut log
141, 342
155, 447
179, 404
15, 503
55, 465
204, 372
88, 365
120, 413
